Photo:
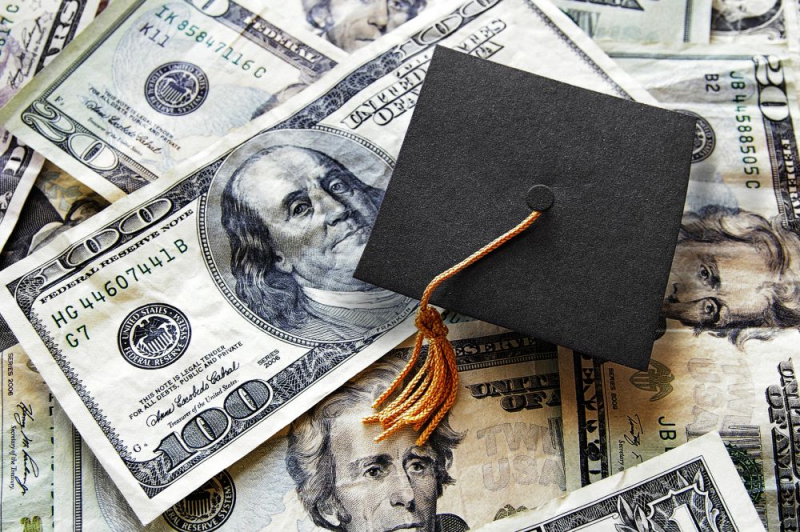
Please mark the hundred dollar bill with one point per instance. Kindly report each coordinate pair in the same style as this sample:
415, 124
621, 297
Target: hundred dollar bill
693, 488
350, 24
754, 21
498, 453
189, 322
31, 35
155, 82
678, 21
733, 295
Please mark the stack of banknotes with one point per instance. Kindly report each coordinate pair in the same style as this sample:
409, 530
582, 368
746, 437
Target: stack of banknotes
186, 189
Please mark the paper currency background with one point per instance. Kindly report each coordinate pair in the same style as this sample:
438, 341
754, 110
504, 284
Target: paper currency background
337, 85
33, 35
285, 313
642, 20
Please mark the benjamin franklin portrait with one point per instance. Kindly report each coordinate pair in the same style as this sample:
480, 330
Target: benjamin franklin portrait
296, 209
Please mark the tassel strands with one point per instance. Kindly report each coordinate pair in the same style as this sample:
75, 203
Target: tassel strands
425, 401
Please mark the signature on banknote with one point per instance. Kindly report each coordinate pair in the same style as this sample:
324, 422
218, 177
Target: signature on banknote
18, 436
634, 435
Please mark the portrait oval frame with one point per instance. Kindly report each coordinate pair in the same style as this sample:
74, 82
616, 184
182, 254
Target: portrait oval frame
368, 162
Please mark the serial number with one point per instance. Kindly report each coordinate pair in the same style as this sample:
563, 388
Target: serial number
110, 289
747, 145
4, 31
200, 36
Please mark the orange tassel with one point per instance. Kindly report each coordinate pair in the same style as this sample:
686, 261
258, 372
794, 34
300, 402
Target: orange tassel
425, 401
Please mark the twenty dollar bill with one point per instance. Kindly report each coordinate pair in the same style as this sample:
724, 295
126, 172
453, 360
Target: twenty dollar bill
156, 82
725, 362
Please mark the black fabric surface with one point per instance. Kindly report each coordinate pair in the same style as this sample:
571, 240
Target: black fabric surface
592, 272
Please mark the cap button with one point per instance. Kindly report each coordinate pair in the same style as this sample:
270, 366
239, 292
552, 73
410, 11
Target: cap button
540, 198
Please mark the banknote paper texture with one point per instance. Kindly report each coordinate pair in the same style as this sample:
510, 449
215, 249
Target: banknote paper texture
680, 21
725, 361
31, 35
503, 436
177, 337
158, 81
691, 489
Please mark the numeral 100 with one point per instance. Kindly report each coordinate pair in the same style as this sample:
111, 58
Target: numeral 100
209, 426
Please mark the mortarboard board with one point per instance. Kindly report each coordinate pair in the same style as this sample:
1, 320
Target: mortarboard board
486, 144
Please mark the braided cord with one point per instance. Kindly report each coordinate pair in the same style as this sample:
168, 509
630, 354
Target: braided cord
432, 392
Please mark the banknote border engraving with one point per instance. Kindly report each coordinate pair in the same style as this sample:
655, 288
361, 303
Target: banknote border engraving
593, 382
77, 480
687, 21
781, 139
783, 417
240, 19
73, 29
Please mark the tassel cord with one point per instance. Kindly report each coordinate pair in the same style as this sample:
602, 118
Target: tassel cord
432, 392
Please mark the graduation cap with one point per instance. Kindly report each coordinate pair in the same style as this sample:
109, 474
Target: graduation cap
489, 147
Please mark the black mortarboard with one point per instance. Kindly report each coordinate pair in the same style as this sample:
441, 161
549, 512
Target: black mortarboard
591, 273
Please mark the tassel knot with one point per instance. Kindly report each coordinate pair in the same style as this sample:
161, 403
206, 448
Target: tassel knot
431, 393
430, 324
